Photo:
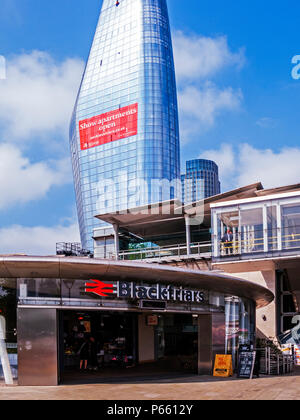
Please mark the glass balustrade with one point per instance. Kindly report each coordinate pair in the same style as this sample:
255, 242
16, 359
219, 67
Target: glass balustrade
256, 228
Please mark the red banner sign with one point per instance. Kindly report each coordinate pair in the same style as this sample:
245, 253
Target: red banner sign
108, 127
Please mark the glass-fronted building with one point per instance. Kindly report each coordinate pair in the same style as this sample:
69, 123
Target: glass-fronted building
200, 181
267, 226
124, 133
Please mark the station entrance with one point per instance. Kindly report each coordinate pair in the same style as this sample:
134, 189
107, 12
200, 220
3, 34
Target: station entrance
97, 346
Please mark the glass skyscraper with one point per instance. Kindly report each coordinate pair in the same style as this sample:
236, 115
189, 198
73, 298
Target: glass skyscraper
124, 133
200, 181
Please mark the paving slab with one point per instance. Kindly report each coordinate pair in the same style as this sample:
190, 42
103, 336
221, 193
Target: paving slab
188, 388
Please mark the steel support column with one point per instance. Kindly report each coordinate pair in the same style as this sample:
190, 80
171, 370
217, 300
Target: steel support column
188, 235
117, 241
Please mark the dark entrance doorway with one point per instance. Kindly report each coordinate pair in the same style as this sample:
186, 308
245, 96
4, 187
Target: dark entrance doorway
94, 341
177, 342
114, 345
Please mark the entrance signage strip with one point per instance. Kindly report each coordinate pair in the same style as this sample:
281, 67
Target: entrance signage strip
131, 290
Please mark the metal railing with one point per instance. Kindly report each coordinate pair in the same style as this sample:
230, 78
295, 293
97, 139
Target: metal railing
202, 249
275, 363
69, 249
271, 242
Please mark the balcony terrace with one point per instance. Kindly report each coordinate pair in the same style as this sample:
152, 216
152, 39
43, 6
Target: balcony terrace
255, 228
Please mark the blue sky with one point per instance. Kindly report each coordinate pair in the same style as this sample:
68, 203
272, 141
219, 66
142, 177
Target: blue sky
238, 102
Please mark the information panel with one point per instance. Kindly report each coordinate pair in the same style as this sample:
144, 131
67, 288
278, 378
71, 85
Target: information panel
109, 127
246, 364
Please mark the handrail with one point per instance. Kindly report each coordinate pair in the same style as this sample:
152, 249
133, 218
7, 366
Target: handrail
179, 250
236, 247
239, 245
275, 363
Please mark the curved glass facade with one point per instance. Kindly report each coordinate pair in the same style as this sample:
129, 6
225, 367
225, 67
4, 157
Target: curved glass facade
200, 181
124, 133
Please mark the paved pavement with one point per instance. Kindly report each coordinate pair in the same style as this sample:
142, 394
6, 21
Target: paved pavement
181, 388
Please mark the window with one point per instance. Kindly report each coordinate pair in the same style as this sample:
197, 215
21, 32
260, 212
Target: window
272, 228
290, 220
228, 222
252, 233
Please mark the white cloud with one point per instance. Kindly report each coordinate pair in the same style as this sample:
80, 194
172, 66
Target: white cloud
37, 240
266, 122
246, 165
224, 157
38, 95
200, 106
272, 168
22, 181
198, 57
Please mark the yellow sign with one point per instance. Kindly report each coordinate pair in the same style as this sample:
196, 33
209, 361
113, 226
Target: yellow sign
87, 326
223, 366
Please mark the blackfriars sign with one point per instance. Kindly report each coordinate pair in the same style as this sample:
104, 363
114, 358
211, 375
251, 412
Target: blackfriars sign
130, 290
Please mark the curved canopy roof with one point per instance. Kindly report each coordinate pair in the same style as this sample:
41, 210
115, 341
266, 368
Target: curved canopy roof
86, 268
